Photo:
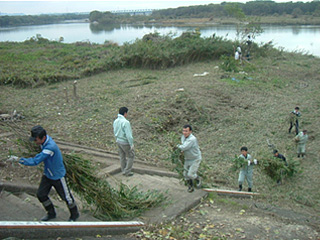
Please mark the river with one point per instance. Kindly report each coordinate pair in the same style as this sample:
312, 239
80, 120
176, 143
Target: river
300, 38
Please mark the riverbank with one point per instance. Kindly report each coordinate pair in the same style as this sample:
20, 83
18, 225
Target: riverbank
227, 110
276, 20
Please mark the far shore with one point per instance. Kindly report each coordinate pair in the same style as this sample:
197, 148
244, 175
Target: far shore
277, 20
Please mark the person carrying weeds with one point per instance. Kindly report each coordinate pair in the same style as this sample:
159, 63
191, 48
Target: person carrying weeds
192, 157
54, 174
276, 154
123, 133
246, 171
301, 140
294, 119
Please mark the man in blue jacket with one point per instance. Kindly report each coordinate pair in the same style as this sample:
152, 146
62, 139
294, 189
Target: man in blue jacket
53, 176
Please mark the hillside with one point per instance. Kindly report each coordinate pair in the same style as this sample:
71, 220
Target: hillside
227, 110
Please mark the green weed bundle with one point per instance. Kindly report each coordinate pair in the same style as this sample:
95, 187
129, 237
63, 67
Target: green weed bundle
237, 163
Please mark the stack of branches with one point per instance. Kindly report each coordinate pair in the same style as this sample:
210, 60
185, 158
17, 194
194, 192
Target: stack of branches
274, 167
107, 202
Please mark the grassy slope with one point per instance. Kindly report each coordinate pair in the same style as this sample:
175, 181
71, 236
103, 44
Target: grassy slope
225, 114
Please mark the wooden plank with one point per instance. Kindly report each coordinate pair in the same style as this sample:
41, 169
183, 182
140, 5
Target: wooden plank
231, 192
45, 225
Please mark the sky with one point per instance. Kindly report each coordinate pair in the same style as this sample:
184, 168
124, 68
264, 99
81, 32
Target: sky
71, 6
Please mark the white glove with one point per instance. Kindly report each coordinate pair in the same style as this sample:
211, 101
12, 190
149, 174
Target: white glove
12, 158
132, 147
255, 161
249, 162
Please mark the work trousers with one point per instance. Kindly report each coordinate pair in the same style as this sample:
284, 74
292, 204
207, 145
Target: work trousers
191, 168
296, 124
246, 174
126, 158
301, 148
62, 189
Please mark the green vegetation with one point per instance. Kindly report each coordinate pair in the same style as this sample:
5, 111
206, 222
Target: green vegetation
251, 8
38, 61
9, 21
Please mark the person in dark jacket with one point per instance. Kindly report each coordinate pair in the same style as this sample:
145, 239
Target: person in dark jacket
280, 156
54, 174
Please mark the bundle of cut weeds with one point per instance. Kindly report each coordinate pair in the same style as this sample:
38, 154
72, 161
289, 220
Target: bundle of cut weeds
276, 168
108, 203
237, 163
177, 158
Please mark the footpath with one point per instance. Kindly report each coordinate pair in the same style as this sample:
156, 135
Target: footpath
18, 204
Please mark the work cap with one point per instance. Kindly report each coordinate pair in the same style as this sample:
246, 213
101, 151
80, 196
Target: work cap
35, 132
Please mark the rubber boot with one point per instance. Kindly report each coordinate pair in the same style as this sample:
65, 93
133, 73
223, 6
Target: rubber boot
51, 214
240, 187
74, 214
249, 189
190, 188
198, 182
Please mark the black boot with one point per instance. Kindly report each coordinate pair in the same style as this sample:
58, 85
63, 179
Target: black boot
74, 214
249, 189
51, 214
240, 187
198, 182
190, 183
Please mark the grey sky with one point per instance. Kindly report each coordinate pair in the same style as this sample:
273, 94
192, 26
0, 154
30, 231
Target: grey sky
39, 7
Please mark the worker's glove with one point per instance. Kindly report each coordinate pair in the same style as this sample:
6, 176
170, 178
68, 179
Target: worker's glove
249, 162
21, 160
132, 147
255, 161
12, 158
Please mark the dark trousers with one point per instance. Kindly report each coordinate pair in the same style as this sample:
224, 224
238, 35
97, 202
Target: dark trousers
296, 124
62, 189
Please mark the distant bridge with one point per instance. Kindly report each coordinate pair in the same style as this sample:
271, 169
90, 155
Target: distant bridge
134, 12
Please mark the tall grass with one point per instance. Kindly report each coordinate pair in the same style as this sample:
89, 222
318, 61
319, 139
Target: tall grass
38, 61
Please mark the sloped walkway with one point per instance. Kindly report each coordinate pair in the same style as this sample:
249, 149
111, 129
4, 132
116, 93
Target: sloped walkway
17, 201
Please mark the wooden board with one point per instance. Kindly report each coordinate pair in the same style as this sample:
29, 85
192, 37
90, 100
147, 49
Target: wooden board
231, 192
27, 224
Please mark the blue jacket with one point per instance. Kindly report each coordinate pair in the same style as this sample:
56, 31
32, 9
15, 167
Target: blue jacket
51, 156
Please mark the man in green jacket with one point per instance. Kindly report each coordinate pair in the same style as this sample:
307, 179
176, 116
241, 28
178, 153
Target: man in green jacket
246, 172
123, 133
192, 157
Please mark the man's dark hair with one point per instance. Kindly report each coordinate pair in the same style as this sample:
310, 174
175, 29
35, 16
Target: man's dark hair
244, 149
297, 108
123, 110
37, 131
188, 126
275, 151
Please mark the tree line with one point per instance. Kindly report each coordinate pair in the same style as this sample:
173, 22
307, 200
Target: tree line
26, 20
252, 8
